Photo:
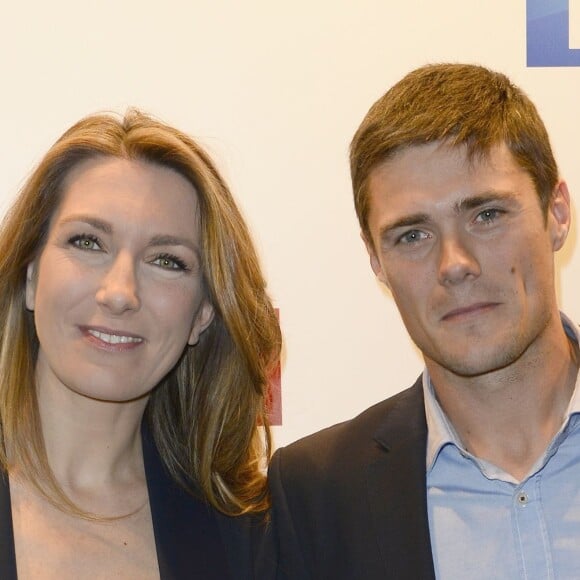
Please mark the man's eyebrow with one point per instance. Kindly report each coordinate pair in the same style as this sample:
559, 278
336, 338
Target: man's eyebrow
414, 219
475, 201
465, 204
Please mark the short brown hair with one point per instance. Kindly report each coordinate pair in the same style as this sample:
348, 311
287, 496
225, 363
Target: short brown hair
206, 414
461, 104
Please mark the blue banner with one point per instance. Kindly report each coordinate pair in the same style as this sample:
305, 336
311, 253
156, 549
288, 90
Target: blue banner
548, 34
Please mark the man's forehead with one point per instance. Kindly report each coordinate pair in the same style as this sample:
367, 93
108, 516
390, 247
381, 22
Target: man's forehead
471, 158
440, 161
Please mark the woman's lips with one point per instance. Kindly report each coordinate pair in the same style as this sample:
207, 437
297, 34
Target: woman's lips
114, 340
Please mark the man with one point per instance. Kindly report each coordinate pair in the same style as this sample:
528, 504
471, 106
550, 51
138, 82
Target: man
474, 472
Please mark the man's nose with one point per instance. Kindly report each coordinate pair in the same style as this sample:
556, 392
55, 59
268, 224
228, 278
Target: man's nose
457, 262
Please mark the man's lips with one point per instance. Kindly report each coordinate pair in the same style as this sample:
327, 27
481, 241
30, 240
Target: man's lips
471, 310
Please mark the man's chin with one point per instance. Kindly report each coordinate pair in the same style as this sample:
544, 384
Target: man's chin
475, 362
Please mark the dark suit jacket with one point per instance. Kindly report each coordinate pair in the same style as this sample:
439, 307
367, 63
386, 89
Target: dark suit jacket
193, 540
350, 502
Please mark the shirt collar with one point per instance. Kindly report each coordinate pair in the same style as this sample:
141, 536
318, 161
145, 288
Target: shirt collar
439, 428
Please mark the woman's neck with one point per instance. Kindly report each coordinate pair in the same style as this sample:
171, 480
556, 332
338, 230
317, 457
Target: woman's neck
91, 445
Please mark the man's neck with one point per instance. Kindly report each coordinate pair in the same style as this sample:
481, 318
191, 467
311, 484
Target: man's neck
509, 417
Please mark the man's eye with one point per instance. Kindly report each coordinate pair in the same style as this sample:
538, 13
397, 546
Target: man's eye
86, 242
412, 237
169, 262
488, 215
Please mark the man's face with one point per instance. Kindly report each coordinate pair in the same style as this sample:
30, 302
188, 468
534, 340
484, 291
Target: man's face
467, 254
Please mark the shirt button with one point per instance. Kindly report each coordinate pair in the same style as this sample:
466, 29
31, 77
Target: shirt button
522, 498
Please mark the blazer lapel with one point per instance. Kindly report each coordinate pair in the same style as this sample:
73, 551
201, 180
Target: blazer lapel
397, 489
7, 552
187, 537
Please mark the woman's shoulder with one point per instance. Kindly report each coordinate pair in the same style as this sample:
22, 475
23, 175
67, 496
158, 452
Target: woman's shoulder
249, 545
193, 538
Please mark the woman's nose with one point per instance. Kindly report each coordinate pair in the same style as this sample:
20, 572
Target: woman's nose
118, 291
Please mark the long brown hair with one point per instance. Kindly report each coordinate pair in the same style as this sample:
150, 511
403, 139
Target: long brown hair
206, 414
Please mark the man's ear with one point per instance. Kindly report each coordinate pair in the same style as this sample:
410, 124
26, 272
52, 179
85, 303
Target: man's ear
203, 319
30, 290
559, 215
374, 259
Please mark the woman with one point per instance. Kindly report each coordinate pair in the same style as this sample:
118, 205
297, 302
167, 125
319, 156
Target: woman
136, 339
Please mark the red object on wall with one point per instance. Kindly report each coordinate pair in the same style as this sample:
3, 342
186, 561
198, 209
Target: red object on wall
274, 395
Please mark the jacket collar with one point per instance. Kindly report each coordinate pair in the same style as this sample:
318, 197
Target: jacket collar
397, 488
187, 537
7, 552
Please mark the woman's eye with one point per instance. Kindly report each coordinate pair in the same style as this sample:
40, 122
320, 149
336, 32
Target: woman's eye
169, 262
86, 242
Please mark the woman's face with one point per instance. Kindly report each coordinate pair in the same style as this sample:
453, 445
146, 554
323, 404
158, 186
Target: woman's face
117, 289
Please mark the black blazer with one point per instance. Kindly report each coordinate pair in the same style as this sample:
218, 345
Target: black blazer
350, 502
192, 539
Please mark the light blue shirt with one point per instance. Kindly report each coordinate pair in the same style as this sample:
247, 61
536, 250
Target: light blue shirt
486, 525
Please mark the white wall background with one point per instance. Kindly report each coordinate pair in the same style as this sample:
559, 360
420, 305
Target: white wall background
275, 91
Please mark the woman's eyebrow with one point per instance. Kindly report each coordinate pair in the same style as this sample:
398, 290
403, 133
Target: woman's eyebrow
154, 241
169, 240
96, 223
